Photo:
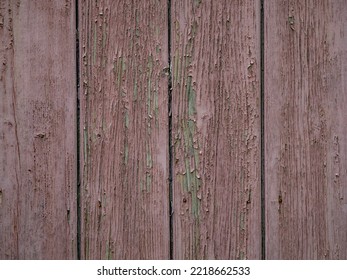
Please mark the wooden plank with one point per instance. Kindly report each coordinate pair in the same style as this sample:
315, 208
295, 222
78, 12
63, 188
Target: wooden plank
216, 129
306, 129
37, 130
124, 118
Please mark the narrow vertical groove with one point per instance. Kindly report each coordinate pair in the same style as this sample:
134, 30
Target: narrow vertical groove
78, 134
170, 130
262, 126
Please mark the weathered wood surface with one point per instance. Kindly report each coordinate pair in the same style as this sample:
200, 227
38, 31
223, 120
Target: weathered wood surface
124, 127
216, 129
216, 133
37, 130
306, 129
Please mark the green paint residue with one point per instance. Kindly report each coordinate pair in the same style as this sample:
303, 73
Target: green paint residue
187, 139
197, 2
242, 255
191, 95
126, 119
123, 66
149, 163
141, 185
155, 107
108, 251
190, 180
148, 182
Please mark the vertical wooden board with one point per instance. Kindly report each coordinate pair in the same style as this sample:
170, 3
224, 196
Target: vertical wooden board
216, 129
37, 130
306, 129
124, 129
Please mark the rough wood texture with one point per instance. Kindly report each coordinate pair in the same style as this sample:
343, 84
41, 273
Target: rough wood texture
124, 129
306, 129
37, 130
216, 129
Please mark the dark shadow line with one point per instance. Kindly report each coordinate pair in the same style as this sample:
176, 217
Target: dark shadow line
170, 131
262, 133
78, 133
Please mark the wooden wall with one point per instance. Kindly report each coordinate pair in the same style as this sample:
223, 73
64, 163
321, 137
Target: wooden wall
182, 129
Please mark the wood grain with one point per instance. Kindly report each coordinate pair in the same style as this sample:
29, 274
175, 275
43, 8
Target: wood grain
216, 129
124, 126
306, 129
37, 130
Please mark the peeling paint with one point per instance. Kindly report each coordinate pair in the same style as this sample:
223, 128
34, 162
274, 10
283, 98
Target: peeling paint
212, 110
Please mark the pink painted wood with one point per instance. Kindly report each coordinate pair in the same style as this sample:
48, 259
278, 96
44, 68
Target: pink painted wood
37, 130
216, 133
306, 129
216, 129
124, 127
